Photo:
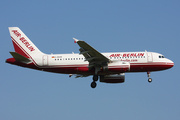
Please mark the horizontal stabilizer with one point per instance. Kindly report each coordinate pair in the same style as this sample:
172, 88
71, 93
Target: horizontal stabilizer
19, 57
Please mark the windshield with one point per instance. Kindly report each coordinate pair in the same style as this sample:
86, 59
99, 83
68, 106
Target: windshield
161, 56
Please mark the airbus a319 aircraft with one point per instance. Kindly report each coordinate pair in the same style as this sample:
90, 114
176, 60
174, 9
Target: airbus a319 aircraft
107, 67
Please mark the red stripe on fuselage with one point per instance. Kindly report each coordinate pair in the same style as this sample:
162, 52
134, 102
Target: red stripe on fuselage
153, 66
18, 63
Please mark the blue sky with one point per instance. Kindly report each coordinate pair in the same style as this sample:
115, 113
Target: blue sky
108, 26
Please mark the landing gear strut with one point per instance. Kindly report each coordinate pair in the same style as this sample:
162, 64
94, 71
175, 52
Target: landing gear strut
149, 79
94, 84
95, 78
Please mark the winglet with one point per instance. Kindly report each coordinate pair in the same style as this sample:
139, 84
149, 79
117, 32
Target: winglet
75, 40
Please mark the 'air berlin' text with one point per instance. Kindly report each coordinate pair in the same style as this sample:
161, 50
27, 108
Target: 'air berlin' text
23, 40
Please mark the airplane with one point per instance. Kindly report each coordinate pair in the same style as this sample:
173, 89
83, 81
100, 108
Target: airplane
107, 67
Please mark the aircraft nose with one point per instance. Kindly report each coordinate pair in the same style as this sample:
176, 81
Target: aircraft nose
170, 63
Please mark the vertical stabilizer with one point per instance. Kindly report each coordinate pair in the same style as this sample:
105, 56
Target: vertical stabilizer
22, 44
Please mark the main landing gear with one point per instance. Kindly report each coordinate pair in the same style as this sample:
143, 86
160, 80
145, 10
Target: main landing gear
94, 84
149, 79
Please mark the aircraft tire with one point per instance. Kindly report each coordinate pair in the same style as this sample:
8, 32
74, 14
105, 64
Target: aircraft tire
93, 84
150, 80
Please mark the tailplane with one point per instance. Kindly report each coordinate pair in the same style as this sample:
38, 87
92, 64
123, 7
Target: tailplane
20, 58
22, 44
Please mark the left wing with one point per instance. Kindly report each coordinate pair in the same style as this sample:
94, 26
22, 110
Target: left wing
95, 58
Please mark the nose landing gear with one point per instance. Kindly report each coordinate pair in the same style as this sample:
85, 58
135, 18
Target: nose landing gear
149, 79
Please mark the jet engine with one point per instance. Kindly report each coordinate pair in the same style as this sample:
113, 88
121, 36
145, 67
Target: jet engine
120, 78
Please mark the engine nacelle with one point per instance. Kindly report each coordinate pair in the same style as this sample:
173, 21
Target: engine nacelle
113, 78
117, 66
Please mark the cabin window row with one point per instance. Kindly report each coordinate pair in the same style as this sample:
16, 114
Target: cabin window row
70, 59
85, 59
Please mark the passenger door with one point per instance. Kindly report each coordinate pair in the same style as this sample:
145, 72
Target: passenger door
149, 57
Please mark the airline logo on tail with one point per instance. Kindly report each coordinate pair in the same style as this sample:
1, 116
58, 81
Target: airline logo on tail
24, 41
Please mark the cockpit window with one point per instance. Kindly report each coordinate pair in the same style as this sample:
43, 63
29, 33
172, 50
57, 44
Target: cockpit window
161, 56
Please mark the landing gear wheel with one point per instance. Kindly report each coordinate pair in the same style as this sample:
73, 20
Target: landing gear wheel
95, 78
150, 80
93, 84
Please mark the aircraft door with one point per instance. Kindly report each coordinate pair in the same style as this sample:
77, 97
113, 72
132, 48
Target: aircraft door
149, 57
45, 60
